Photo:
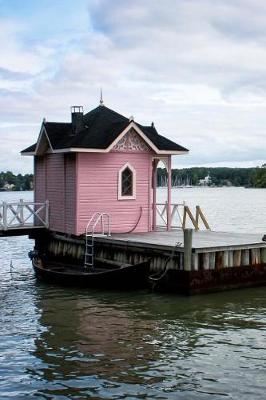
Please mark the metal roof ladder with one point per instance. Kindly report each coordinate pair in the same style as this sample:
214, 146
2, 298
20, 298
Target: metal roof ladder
98, 226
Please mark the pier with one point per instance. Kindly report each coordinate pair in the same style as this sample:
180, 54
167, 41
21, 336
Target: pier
183, 260
190, 261
23, 217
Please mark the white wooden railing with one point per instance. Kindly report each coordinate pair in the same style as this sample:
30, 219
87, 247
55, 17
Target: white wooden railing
24, 214
181, 216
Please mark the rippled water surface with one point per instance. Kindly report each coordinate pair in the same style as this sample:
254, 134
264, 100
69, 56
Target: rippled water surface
63, 343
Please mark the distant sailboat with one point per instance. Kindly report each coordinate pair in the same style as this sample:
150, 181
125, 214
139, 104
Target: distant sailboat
178, 183
188, 183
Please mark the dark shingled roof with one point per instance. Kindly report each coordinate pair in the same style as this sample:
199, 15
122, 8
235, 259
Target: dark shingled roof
101, 127
30, 149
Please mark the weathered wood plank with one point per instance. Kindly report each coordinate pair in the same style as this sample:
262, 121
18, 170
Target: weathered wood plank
202, 240
230, 258
263, 255
195, 262
212, 260
237, 258
245, 257
226, 259
219, 260
255, 256
187, 249
206, 260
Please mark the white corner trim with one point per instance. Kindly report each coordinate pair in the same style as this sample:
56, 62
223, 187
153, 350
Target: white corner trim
119, 186
79, 150
164, 160
42, 131
28, 153
91, 150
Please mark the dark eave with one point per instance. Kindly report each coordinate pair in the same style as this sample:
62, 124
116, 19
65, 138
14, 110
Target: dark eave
101, 127
30, 149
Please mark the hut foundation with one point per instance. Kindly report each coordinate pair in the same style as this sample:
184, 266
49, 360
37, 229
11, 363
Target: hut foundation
191, 269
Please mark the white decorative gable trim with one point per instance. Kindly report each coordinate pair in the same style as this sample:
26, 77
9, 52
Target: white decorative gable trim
120, 196
131, 142
138, 131
43, 142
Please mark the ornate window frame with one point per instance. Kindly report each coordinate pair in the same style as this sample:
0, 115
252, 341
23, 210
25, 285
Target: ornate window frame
120, 172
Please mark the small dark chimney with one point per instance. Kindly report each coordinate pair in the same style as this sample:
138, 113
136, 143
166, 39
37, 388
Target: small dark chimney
77, 119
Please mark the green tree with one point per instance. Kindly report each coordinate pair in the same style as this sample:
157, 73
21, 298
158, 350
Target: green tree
259, 177
20, 182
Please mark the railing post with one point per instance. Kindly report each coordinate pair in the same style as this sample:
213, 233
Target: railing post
169, 191
199, 213
184, 218
5, 215
187, 249
21, 216
47, 213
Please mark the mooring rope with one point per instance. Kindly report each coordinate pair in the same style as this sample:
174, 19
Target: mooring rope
136, 224
154, 278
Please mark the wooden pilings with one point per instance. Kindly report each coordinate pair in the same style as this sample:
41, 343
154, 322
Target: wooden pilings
187, 249
184, 258
263, 256
229, 258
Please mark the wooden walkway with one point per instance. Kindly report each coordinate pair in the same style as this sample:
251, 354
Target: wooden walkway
202, 240
209, 249
23, 217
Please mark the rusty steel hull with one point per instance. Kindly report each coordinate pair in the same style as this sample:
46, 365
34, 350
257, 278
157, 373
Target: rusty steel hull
206, 281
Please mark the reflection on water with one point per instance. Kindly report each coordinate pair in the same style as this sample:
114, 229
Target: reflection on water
68, 343
76, 344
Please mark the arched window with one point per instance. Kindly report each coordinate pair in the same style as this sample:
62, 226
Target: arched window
127, 183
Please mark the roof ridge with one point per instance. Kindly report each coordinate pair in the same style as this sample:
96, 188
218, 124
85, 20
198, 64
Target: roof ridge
103, 107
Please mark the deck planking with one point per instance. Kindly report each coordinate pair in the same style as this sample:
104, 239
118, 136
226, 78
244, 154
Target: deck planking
203, 241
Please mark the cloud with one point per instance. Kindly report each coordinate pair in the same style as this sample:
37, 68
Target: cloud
14, 56
194, 67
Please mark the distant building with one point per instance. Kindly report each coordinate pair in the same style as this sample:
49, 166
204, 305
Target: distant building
8, 186
206, 181
100, 162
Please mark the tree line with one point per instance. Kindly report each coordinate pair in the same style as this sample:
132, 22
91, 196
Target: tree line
217, 176
259, 178
10, 181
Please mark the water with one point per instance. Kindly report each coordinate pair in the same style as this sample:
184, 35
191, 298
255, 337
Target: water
229, 209
63, 343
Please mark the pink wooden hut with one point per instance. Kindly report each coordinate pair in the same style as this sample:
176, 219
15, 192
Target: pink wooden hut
100, 162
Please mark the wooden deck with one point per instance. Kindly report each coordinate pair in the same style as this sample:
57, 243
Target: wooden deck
215, 261
202, 240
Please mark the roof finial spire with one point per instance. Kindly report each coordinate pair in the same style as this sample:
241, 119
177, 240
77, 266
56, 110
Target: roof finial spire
101, 98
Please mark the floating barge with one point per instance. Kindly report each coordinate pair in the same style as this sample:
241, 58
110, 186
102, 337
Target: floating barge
102, 167
213, 261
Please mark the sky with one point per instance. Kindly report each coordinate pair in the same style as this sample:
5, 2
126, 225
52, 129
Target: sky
196, 68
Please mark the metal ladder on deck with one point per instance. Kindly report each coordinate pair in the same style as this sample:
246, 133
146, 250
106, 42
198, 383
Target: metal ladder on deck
98, 219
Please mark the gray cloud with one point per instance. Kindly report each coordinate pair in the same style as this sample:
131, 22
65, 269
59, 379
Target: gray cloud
195, 67
11, 75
